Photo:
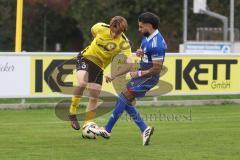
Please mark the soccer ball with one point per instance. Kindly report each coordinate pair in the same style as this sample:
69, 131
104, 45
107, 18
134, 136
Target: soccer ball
86, 133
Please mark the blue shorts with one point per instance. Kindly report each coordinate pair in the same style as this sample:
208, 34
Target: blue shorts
140, 85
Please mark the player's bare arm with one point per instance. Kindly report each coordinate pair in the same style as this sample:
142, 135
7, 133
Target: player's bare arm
127, 67
155, 70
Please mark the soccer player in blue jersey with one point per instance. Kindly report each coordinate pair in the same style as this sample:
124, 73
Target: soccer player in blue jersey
152, 53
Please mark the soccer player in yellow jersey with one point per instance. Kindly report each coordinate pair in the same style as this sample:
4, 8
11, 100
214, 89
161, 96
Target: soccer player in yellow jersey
109, 40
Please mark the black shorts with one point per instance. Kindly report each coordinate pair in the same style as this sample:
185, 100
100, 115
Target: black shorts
95, 73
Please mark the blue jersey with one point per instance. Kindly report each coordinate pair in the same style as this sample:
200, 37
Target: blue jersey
154, 48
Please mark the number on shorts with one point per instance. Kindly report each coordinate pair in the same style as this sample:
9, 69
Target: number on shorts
84, 66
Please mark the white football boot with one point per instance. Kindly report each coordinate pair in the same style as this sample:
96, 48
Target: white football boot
147, 135
101, 131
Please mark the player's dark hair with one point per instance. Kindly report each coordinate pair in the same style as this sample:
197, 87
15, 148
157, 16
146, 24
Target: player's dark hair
151, 18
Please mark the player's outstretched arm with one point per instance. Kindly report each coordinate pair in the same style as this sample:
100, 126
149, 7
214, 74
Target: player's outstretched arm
127, 68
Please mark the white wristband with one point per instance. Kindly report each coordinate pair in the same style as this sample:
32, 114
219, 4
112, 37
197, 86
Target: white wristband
139, 73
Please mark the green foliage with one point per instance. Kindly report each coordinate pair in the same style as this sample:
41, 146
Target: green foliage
69, 19
7, 25
59, 29
89, 12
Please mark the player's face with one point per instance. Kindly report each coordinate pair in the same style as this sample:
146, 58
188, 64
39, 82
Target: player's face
144, 28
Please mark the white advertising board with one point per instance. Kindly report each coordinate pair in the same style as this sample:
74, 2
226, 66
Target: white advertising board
14, 76
208, 47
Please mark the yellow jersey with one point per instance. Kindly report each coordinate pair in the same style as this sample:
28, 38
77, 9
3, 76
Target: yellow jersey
103, 48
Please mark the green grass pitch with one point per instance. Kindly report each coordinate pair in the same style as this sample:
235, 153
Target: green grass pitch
181, 133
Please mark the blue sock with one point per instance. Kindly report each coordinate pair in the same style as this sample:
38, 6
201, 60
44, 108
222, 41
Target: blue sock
132, 111
117, 112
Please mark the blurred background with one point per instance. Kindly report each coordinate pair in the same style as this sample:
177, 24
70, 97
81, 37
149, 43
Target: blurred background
64, 25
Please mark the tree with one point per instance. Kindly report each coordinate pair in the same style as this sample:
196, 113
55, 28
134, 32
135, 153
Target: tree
88, 12
68, 21
7, 25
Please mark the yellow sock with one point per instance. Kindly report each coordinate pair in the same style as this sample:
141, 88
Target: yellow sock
74, 104
90, 116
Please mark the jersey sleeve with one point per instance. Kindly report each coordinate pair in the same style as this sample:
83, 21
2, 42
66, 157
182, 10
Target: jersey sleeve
127, 51
125, 46
158, 51
97, 28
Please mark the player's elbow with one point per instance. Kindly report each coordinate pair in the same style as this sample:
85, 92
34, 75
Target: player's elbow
157, 69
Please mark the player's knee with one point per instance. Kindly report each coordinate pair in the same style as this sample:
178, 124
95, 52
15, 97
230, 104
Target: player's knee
82, 84
93, 95
81, 87
93, 99
78, 91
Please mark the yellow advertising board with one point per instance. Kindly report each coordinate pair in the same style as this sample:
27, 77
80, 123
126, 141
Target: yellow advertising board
181, 75
203, 74
56, 76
